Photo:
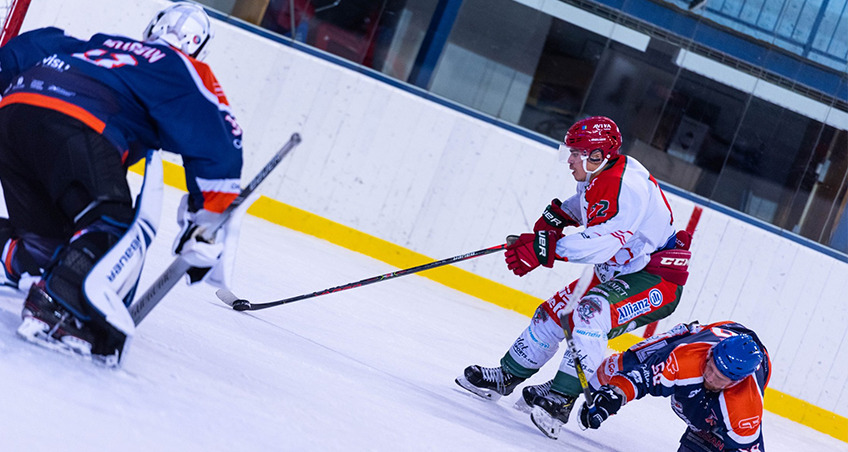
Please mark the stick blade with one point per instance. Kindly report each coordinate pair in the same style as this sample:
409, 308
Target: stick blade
226, 296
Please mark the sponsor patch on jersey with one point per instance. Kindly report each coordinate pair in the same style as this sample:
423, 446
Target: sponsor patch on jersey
656, 297
634, 309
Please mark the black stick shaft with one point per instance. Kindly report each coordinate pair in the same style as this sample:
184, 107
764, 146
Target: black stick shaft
168, 279
251, 187
395, 274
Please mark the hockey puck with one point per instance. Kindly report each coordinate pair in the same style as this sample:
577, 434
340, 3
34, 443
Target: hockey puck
241, 305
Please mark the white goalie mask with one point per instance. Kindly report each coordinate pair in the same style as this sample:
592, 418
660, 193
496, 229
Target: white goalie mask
183, 25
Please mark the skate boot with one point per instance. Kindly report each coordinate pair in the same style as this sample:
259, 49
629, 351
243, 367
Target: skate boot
489, 383
50, 325
550, 412
529, 394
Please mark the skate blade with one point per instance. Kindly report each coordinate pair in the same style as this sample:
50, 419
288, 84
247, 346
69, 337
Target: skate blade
486, 394
522, 405
35, 331
545, 422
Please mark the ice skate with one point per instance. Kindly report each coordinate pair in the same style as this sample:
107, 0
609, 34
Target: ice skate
489, 383
48, 324
529, 393
550, 411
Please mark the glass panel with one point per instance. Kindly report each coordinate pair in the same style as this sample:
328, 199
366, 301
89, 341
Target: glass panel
697, 125
490, 57
632, 88
383, 34
401, 31
760, 154
829, 183
569, 59
769, 158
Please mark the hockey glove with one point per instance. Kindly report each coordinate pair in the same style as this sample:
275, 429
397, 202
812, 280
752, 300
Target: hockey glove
605, 402
531, 251
554, 218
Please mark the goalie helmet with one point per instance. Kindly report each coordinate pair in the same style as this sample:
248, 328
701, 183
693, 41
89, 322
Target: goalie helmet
183, 25
737, 356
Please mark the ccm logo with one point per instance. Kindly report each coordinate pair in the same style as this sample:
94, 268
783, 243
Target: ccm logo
674, 261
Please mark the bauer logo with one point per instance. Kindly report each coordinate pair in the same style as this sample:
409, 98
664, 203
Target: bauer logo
134, 246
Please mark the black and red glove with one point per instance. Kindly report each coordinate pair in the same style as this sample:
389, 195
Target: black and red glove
554, 218
531, 251
606, 401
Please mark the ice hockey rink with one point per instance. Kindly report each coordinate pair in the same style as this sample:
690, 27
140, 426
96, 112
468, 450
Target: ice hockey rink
370, 368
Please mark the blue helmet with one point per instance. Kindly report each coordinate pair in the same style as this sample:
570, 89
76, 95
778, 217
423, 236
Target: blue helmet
737, 356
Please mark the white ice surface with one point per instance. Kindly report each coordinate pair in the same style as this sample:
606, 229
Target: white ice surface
367, 369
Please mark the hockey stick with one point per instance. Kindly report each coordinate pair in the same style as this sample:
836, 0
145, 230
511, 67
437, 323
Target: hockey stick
166, 281
240, 304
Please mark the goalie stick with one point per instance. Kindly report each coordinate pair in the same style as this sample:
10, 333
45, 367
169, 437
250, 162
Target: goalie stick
240, 304
166, 281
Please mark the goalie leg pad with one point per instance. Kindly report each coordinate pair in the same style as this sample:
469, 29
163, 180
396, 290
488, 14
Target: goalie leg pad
63, 283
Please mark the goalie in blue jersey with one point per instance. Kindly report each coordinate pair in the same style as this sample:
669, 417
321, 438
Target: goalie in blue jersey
74, 116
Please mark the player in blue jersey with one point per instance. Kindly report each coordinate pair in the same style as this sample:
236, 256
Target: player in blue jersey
73, 116
714, 374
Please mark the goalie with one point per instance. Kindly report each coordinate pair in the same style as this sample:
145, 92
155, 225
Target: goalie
74, 116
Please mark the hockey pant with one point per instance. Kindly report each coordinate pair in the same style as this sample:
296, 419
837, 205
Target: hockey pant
606, 310
54, 169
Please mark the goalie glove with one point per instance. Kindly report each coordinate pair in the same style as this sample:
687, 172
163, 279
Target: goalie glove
212, 261
605, 402
531, 251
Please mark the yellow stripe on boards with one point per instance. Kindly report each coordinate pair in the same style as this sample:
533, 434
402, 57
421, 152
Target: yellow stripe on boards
291, 217
341, 235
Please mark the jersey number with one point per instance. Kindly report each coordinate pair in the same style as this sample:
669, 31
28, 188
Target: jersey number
599, 209
106, 59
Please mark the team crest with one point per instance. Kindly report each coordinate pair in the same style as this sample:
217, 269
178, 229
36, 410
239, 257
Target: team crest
587, 308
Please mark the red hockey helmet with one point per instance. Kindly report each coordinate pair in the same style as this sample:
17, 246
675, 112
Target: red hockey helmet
594, 133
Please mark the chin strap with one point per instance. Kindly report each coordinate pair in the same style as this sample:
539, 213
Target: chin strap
589, 174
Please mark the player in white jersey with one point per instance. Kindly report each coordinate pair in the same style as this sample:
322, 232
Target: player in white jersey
641, 265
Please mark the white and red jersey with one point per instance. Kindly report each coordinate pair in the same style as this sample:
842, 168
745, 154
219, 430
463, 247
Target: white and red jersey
626, 217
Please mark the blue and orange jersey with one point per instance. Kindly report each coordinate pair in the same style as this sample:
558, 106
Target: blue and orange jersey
138, 95
672, 365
